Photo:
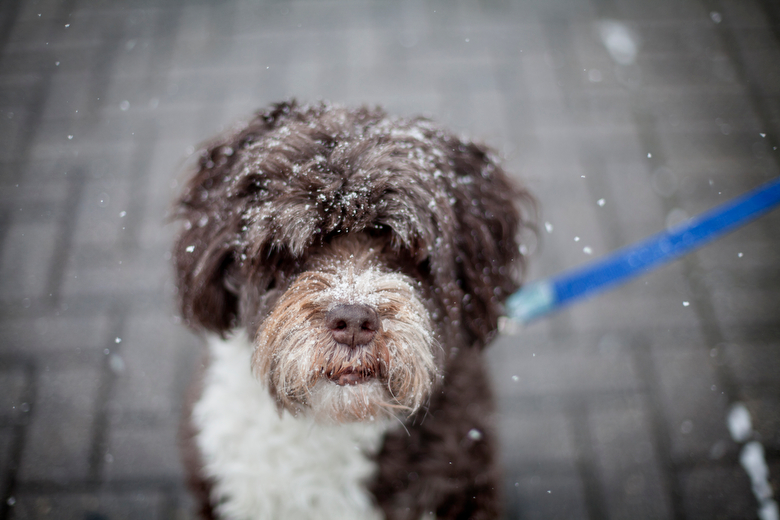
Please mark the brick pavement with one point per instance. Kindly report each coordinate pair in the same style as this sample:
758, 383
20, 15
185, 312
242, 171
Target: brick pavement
615, 408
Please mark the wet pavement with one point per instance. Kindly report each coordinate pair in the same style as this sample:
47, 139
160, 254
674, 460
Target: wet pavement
623, 116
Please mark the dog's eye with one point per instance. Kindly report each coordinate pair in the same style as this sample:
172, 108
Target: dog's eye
425, 268
379, 231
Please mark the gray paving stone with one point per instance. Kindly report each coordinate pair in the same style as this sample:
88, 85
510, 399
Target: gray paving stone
138, 50
38, 59
572, 229
764, 61
752, 363
694, 37
607, 111
6, 455
38, 179
772, 104
95, 270
127, 96
641, 304
100, 219
627, 459
135, 505
155, 356
38, 202
717, 185
664, 10
713, 145
629, 189
25, 259
764, 416
742, 255
538, 366
59, 437
143, 451
534, 438
746, 307
14, 112
676, 70
69, 95
10, 131
693, 402
51, 140
13, 383
545, 495
44, 334
717, 493
740, 14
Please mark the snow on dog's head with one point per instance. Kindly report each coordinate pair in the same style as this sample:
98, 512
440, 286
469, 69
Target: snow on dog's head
353, 247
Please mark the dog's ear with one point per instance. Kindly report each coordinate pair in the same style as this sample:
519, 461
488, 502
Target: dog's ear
205, 254
490, 210
206, 298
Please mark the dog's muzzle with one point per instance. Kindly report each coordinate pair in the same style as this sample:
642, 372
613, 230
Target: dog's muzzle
349, 339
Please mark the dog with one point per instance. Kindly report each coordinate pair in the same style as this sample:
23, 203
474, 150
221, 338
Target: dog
348, 268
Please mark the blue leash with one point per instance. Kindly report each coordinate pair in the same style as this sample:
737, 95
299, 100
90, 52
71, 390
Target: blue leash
544, 296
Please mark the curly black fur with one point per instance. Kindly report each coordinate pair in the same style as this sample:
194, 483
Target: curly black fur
295, 176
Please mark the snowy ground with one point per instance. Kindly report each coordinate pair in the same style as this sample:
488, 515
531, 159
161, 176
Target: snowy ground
623, 116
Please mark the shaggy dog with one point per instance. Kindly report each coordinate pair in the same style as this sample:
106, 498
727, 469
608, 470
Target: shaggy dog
351, 267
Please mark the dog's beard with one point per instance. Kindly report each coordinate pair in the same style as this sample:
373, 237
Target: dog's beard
305, 368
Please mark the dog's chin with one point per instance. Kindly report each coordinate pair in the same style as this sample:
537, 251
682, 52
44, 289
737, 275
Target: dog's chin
354, 400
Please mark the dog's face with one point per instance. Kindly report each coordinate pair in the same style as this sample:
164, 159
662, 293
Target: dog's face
351, 337
358, 251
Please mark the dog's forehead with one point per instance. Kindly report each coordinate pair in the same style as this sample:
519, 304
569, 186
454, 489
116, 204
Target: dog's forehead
341, 152
305, 184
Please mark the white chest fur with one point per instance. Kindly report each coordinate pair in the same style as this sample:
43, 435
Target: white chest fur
271, 467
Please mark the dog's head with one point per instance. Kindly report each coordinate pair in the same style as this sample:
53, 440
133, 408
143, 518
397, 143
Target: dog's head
358, 250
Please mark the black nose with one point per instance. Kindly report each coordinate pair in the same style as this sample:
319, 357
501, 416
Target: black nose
352, 325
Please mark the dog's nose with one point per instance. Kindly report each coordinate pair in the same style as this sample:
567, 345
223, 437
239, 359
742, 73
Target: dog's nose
352, 325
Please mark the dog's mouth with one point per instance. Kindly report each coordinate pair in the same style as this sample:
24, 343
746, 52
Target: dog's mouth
350, 376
